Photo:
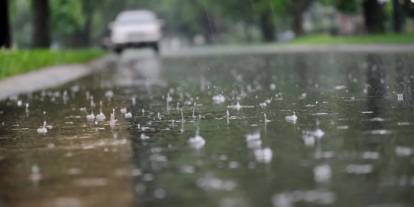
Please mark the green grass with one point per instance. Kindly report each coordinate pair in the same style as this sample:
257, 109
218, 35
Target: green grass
13, 62
359, 39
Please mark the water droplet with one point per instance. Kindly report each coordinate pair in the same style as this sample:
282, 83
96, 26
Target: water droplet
400, 97
322, 173
359, 168
219, 99
291, 118
263, 155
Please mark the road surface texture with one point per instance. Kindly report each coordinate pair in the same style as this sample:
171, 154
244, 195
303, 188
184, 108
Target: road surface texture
226, 129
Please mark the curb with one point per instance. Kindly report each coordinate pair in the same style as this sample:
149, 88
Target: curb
289, 49
50, 77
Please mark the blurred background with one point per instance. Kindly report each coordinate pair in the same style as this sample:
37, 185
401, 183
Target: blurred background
77, 23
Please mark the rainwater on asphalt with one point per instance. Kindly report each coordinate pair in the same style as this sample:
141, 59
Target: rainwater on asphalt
282, 130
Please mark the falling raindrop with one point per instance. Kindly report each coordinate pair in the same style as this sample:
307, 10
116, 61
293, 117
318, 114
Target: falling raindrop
92, 103
27, 109
35, 175
194, 108
134, 100
227, 117
168, 101
182, 115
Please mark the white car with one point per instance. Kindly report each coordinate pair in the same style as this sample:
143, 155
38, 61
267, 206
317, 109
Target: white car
133, 29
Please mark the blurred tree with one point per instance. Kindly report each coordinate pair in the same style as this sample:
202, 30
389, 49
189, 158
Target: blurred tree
347, 6
398, 16
293, 10
88, 11
180, 16
261, 13
296, 9
238, 12
41, 29
408, 6
266, 11
67, 19
267, 25
374, 16
5, 37
206, 19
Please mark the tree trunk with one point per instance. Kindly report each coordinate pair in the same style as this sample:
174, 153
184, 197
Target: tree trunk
374, 16
41, 30
5, 37
206, 21
398, 16
267, 26
296, 9
298, 24
86, 33
207, 25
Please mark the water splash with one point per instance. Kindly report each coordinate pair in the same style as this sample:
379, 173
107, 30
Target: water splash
291, 118
322, 173
43, 129
264, 155
100, 117
219, 99
197, 142
112, 120
35, 175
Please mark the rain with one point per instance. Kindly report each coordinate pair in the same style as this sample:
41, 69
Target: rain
220, 105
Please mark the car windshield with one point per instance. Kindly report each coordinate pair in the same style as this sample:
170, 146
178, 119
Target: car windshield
141, 17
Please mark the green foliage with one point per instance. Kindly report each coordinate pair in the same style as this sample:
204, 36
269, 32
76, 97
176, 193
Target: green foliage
21, 19
74, 20
361, 39
346, 6
67, 16
14, 62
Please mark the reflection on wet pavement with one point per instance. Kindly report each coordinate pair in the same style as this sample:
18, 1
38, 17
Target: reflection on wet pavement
331, 129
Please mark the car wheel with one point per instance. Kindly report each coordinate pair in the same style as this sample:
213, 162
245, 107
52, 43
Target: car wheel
118, 50
156, 48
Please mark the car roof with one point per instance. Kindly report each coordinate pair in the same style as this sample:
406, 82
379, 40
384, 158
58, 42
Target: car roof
136, 15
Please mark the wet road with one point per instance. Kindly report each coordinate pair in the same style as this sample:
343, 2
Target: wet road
332, 129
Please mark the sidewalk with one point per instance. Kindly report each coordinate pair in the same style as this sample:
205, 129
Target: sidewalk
49, 77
